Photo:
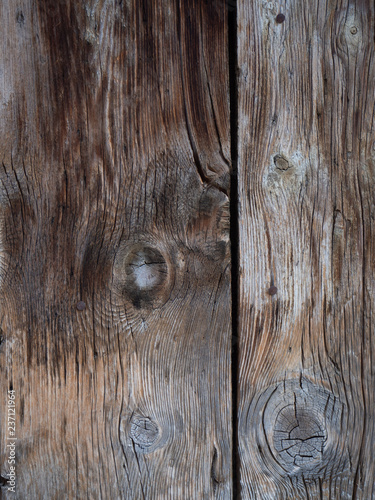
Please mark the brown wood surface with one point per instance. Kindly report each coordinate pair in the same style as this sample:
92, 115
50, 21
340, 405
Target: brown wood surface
115, 297
306, 146
114, 258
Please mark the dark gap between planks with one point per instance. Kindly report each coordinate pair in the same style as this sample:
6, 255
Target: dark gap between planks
234, 231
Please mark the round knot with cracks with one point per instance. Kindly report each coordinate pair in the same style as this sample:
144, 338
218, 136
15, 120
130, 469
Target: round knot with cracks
143, 431
140, 433
297, 427
299, 435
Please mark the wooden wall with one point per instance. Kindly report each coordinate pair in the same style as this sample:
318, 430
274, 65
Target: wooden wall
186, 249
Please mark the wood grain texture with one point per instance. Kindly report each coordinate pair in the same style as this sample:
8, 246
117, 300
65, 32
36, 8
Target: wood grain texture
306, 90
115, 279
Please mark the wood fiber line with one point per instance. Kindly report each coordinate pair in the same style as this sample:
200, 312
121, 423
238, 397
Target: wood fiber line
306, 90
115, 259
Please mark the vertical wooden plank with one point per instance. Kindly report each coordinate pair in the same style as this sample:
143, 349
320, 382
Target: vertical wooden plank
306, 176
115, 281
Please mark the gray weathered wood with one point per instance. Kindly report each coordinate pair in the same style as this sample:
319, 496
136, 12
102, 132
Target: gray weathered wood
115, 281
306, 89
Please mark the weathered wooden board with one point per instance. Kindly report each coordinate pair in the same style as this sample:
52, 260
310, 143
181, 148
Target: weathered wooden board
115, 279
306, 90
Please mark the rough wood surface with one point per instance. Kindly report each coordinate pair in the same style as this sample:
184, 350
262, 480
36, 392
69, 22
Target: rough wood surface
306, 189
115, 281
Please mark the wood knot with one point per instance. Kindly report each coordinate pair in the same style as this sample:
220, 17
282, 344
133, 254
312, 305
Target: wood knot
145, 269
142, 274
272, 290
81, 306
281, 162
304, 420
143, 432
298, 426
20, 18
353, 34
299, 435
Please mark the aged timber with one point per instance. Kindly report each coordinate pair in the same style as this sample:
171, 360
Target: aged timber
114, 255
306, 189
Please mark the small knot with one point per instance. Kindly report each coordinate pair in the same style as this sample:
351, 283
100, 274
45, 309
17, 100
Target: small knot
20, 18
143, 431
81, 306
280, 18
281, 162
